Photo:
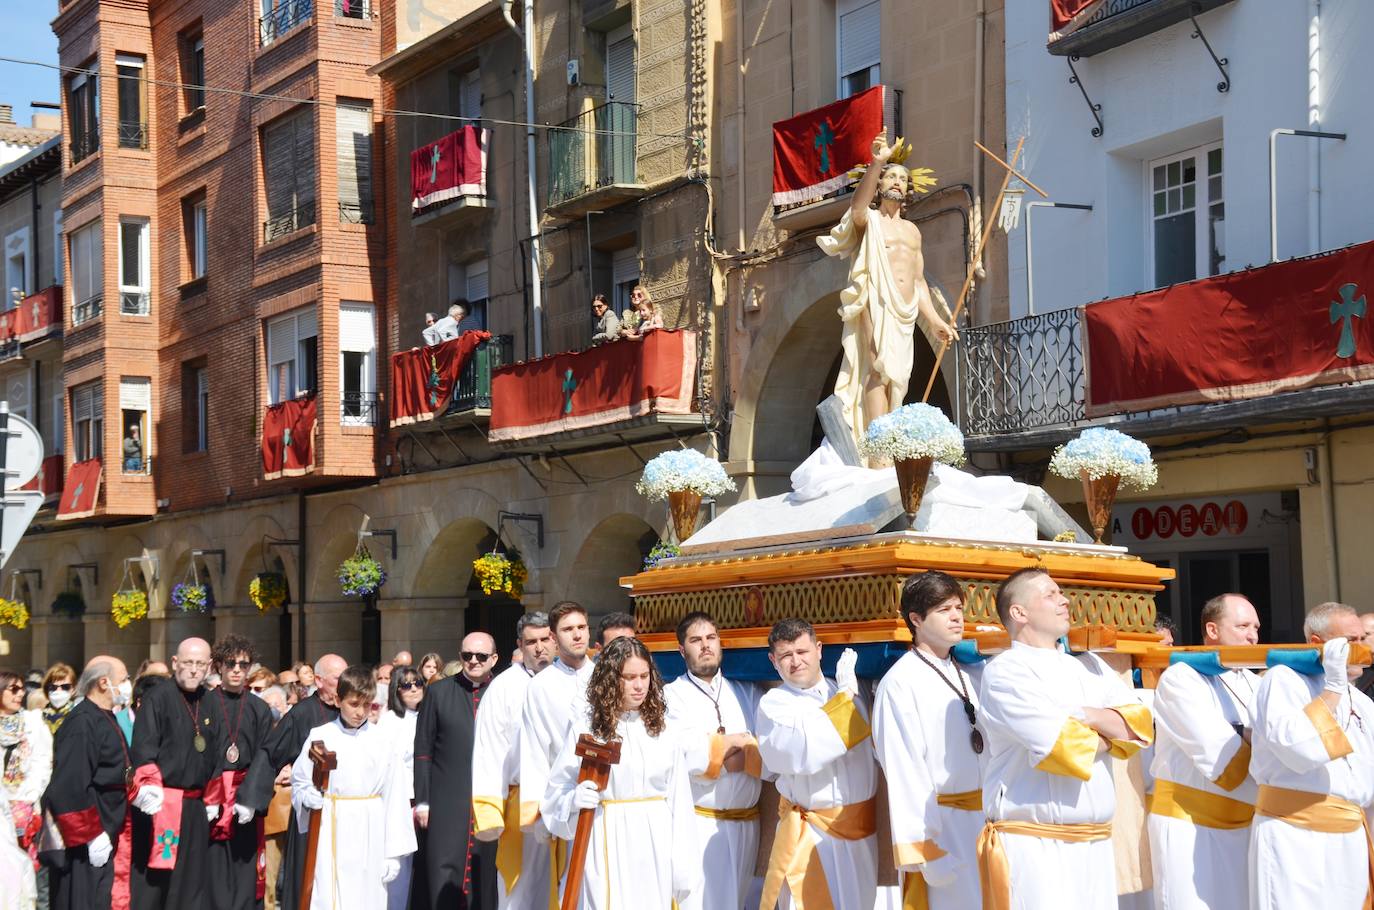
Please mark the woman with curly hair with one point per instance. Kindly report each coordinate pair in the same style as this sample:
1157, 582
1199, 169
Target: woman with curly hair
644, 833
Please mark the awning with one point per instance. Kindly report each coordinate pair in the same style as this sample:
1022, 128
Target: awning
288, 438
423, 379
82, 490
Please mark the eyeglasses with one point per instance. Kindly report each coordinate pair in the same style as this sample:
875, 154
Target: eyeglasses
412, 684
237, 664
63, 687
478, 656
194, 664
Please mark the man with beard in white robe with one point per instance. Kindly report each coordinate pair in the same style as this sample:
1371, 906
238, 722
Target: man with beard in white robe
1313, 758
1204, 796
928, 742
1053, 722
814, 737
713, 718
365, 817
522, 861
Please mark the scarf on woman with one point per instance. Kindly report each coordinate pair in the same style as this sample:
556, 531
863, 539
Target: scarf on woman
16, 749
53, 717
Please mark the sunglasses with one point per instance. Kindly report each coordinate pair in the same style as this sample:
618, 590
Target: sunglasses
65, 687
257, 688
412, 684
237, 664
478, 656
16, 688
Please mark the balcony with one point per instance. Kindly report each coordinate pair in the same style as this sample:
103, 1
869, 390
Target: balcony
593, 160
453, 379
357, 409
448, 181
356, 212
1119, 22
288, 437
135, 303
87, 310
288, 15
302, 216
472, 393
133, 135
36, 317
84, 145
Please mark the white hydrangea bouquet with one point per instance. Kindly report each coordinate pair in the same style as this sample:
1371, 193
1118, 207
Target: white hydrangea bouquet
914, 431
1103, 460
683, 476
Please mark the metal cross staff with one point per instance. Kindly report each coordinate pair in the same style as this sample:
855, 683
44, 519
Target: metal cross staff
991, 224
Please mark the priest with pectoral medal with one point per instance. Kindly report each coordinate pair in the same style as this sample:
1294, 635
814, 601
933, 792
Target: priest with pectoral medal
178, 747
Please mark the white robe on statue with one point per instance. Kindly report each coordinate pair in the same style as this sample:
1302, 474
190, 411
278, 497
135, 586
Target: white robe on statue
643, 853
728, 846
1046, 766
1200, 866
496, 798
366, 817
816, 742
555, 701
1299, 744
922, 736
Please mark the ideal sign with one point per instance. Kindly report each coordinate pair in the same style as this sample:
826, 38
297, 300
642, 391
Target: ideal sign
1221, 521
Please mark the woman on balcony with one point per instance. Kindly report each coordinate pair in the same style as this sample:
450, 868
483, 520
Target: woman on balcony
650, 317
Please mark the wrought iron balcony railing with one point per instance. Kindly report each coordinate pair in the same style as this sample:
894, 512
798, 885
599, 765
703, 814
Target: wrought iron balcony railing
353, 9
84, 145
87, 310
301, 216
287, 15
473, 391
358, 409
1021, 375
135, 303
133, 135
592, 150
356, 212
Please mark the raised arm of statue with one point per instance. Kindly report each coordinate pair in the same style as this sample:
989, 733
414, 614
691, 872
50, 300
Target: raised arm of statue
868, 184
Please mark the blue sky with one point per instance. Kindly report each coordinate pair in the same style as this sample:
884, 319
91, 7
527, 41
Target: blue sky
28, 36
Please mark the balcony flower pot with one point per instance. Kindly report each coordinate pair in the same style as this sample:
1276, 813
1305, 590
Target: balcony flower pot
1105, 461
683, 477
912, 439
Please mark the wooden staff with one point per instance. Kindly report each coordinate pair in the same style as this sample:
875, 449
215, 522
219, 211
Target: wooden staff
324, 762
990, 224
597, 758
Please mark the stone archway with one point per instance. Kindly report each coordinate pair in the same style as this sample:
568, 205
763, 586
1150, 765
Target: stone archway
437, 617
616, 547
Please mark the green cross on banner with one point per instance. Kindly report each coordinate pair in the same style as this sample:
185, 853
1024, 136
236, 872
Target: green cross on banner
286, 438
569, 386
1346, 311
434, 165
168, 840
825, 137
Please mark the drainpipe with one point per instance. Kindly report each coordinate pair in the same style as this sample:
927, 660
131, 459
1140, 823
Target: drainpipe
536, 244
1314, 118
1333, 564
980, 18
301, 552
33, 243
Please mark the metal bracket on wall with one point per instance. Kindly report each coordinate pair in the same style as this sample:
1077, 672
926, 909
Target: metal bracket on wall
537, 520
38, 572
1094, 109
201, 554
93, 566
1224, 85
381, 533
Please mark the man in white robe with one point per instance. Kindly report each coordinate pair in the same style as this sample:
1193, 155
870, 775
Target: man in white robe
1204, 796
1053, 721
814, 737
522, 860
365, 818
713, 719
930, 748
1313, 759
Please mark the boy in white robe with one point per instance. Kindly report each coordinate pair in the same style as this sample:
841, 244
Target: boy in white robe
522, 861
814, 737
1313, 759
365, 819
713, 718
1053, 722
930, 748
1204, 796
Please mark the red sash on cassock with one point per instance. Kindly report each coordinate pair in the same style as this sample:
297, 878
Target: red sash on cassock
167, 821
81, 827
223, 791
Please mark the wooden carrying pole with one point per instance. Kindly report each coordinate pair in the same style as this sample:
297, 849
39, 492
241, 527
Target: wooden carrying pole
324, 761
990, 224
597, 758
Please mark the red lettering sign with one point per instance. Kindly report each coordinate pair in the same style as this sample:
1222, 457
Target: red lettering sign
1165, 522
1142, 523
1210, 519
1235, 516
1187, 519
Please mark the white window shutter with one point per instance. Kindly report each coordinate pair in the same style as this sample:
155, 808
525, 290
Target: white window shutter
860, 38
135, 394
478, 283
624, 266
281, 340
620, 66
470, 95
353, 143
356, 332
81, 403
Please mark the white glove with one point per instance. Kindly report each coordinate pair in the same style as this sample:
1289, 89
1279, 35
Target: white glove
940, 873
211, 813
149, 799
1335, 656
845, 677
587, 796
421, 812
99, 850
312, 799
243, 814
390, 869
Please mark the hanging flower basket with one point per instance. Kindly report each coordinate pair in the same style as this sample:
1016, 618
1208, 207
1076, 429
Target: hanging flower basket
660, 552
127, 606
683, 477
361, 574
497, 572
69, 603
267, 591
192, 597
1104, 460
13, 613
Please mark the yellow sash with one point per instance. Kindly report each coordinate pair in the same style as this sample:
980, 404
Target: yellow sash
801, 868
747, 814
1319, 812
510, 847
969, 800
1189, 804
915, 893
994, 872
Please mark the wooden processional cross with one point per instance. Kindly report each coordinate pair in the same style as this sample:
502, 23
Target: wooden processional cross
597, 758
324, 762
989, 226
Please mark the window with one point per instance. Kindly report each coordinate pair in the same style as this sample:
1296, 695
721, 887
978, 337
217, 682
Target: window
202, 377
195, 406
195, 227
133, 102
1187, 216
624, 277
620, 65
357, 364
858, 30
16, 268
292, 355
466, 90
83, 113
351, 9
193, 71
133, 266
88, 272
353, 137
477, 290
288, 161
88, 421
135, 401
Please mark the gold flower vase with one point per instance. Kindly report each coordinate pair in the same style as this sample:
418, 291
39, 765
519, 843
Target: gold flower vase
912, 476
1099, 495
684, 505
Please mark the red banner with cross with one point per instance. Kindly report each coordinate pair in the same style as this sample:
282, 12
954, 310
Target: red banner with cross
1279, 328
454, 166
81, 490
606, 384
814, 152
288, 438
34, 316
423, 379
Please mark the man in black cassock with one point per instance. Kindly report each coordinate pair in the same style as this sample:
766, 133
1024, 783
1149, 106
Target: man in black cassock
177, 749
459, 871
86, 796
273, 761
235, 838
